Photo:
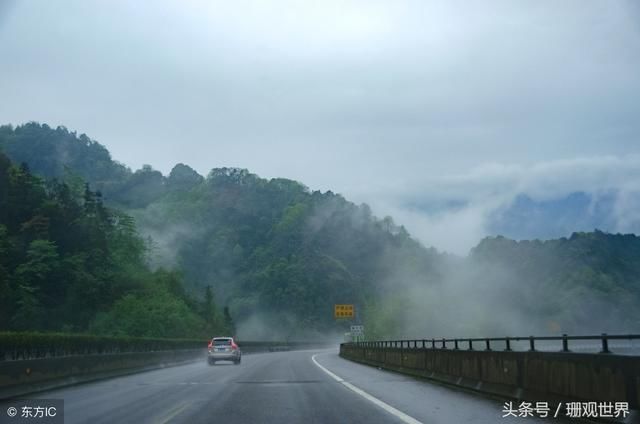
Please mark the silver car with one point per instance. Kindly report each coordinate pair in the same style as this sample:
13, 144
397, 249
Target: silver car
223, 349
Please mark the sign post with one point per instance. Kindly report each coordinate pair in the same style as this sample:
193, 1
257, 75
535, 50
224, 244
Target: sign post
344, 311
348, 311
357, 331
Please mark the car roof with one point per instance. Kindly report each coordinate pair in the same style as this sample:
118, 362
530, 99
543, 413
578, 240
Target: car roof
223, 338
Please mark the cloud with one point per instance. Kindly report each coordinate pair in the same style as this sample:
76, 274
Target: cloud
453, 212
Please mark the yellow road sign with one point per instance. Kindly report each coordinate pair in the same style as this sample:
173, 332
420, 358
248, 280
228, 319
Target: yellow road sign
343, 311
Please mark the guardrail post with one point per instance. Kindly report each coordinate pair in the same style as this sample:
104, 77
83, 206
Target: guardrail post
470, 345
532, 344
488, 344
433, 343
444, 344
508, 344
423, 343
455, 344
605, 344
565, 343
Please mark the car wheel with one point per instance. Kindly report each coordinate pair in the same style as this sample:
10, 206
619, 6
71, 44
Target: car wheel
211, 361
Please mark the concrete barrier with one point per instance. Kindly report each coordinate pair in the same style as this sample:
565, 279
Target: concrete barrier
275, 346
532, 376
21, 377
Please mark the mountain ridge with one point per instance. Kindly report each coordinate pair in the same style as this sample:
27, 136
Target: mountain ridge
280, 255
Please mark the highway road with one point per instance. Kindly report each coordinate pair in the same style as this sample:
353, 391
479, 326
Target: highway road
279, 387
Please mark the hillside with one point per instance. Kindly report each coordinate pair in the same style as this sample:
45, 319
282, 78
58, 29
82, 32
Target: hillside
69, 263
276, 253
280, 255
588, 278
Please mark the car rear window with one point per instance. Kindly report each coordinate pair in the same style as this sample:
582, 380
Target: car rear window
222, 342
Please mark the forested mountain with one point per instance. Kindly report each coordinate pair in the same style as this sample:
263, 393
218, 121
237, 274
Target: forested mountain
69, 263
63, 154
273, 249
526, 218
280, 255
589, 278
276, 253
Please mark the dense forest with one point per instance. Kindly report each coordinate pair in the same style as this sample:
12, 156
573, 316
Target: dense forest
586, 280
275, 254
69, 263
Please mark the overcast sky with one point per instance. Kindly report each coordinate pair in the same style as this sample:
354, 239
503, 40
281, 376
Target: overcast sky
388, 102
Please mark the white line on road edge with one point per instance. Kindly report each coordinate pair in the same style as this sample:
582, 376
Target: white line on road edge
390, 409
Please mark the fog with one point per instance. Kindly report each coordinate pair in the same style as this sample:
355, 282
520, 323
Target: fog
470, 295
268, 326
484, 299
453, 212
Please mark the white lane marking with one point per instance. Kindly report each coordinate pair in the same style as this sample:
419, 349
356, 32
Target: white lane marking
174, 412
390, 409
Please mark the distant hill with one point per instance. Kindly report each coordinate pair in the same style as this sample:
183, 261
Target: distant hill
526, 218
280, 255
60, 153
589, 278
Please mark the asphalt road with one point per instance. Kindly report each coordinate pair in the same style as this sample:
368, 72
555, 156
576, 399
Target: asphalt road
279, 387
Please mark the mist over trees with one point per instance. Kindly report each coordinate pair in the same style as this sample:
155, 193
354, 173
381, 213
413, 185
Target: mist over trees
273, 256
588, 280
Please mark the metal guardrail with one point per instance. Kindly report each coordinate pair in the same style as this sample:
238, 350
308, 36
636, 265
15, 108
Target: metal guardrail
443, 343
